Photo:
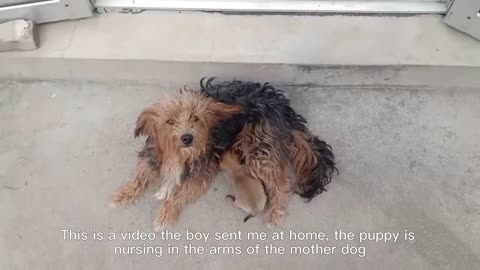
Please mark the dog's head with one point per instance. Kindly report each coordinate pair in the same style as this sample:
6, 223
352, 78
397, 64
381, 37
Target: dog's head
180, 125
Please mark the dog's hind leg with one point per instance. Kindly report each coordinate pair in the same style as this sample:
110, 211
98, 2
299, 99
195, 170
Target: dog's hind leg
278, 197
127, 193
265, 159
277, 188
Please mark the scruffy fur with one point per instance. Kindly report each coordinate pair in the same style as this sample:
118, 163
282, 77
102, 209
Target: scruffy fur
249, 192
272, 138
181, 171
252, 120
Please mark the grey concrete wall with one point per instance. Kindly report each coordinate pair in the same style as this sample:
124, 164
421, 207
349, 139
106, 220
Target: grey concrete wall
277, 39
171, 46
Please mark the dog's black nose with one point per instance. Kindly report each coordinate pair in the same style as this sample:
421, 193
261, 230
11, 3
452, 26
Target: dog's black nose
186, 139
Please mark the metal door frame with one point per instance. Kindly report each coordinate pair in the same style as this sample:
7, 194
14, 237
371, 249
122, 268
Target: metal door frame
285, 6
464, 15
42, 11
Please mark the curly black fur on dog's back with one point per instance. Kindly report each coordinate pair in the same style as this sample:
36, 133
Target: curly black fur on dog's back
259, 101
262, 102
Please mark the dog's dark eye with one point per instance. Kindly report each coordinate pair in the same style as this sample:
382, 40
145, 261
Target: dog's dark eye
195, 119
170, 122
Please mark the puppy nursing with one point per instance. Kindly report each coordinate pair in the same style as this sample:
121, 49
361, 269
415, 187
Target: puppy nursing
190, 132
250, 193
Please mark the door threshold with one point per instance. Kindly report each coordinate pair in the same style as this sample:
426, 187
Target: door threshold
284, 6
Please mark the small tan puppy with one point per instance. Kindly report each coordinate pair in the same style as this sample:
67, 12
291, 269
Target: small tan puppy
249, 193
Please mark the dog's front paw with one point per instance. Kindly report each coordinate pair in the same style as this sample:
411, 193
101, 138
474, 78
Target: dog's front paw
120, 200
166, 218
158, 225
274, 218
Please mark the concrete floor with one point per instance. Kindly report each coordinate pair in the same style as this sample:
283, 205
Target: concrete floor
409, 159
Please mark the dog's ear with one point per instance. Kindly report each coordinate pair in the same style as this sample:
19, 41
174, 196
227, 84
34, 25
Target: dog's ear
223, 111
147, 122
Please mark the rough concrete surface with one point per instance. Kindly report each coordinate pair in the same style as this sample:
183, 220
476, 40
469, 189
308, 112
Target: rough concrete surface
18, 35
308, 40
409, 159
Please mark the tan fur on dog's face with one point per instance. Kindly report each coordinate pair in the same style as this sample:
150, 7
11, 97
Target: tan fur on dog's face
180, 125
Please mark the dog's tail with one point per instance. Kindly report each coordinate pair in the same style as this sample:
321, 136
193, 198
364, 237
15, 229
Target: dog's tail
313, 163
